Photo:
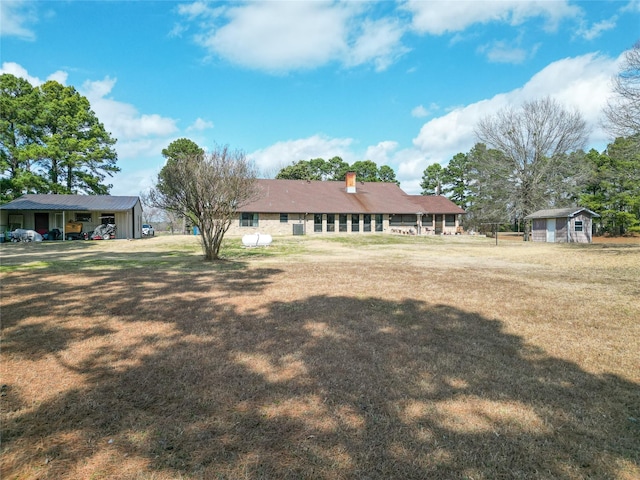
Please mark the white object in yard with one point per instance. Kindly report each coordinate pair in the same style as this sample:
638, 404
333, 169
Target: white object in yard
257, 240
24, 235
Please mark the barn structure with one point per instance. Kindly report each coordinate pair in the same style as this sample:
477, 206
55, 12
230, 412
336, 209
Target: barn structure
562, 225
300, 207
66, 214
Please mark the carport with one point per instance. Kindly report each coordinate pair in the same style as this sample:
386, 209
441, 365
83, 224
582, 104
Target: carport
44, 213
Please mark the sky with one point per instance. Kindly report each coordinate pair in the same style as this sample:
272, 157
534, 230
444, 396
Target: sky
402, 83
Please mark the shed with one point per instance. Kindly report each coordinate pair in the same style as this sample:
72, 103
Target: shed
44, 213
562, 225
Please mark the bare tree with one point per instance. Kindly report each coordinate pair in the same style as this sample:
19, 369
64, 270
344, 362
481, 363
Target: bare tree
534, 168
150, 212
622, 111
208, 189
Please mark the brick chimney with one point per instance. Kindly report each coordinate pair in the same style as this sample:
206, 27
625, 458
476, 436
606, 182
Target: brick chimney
351, 182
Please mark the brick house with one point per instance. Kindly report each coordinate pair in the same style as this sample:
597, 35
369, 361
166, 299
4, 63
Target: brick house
299, 207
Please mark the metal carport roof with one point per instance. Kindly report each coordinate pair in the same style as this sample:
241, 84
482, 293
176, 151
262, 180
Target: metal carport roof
71, 203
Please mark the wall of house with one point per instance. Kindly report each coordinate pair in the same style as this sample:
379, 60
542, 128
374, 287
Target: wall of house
270, 223
432, 224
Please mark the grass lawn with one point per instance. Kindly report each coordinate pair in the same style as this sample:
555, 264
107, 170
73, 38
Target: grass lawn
347, 357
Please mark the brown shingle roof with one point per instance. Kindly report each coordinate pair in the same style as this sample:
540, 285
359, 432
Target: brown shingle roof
301, 196
436, 204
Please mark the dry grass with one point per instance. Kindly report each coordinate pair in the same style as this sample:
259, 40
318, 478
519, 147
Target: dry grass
320, 359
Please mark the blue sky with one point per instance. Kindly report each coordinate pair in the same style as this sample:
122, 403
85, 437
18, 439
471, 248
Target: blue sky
400, 83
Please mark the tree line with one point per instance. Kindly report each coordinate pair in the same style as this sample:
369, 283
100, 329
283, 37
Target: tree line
336, 169
51, 141
531, 157
527, 158
487, 184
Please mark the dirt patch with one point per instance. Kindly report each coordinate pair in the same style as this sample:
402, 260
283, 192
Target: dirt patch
320, 358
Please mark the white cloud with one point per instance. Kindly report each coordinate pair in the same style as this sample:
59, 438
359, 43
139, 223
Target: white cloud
282, 36
380, 41
197, 9
137, 133
278, 36
440, 17
18, 70
200, 125
632, 6
381, 152
275, 157
16, 17
419, 112
501, 51
133, 183
593, 32
581, 83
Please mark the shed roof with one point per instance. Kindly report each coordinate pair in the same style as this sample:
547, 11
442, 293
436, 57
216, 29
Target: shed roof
71, 202
315, 196
560, 213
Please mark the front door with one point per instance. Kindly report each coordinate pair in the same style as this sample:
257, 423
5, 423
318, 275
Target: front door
41, 221
439, 224
551, 230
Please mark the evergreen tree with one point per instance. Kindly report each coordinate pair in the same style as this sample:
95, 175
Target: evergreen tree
51, 141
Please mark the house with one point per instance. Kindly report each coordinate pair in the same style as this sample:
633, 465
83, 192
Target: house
73, 214
298, 207
562, 225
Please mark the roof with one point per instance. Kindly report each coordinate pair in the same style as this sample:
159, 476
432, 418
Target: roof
560, 213
107, 203
436, 204
315, 196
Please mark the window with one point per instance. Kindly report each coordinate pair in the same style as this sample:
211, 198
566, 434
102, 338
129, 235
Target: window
578, 226
407, 220
331, 222
379, 222
248, 219
284, 218
107, 219
16, 221
317, 222
450, 220
83, 217
355, 222
342, 227
367, 223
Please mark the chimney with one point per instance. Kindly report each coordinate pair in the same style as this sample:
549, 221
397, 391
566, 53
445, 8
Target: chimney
351, 182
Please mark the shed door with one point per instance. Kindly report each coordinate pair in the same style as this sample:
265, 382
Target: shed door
551, 230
